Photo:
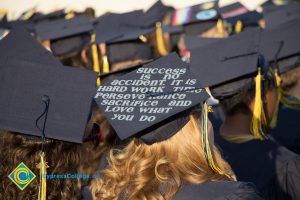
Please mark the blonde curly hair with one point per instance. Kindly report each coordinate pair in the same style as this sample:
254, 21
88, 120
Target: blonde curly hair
141, 171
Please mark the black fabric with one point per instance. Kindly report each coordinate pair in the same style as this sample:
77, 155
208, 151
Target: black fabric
287, 131
248, 19
226, 60
288, 64
155, 13
61, 28
19, 44
70, 46
284, 39
24, 85
223, 190
279, 15
119, 52
162, 107
198, 28
192, 42
271, 167
38, 17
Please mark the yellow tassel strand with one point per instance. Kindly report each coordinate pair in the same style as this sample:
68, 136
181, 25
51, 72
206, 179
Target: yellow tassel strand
238, 26
105, 63
205, 142
161, 47
220, 26
273, 122
96, 66
70, 15
43, 165
258, 118
143, 38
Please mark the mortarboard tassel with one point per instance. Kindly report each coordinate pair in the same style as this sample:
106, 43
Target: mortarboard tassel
238, 26
279, 95
220, 26
70, 15
205, 142
43, 171
43, 164
161, 47
105, 66
258, 118
96, 66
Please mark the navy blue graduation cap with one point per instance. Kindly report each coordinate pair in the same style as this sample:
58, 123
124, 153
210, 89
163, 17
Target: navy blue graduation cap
240, 17
156, 13
196, 19
146, 99
281, 15
62, 28
19, 44
192, 42
230, 65
49, 101
281, 43
39, 17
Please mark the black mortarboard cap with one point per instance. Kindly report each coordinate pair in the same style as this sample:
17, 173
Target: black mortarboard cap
228, 59
281, 42
19, 44
111, 25
143, 103
281, 15
63, 28
192, 42
195, 14
33, 94
156, 13
71, 45
38, 17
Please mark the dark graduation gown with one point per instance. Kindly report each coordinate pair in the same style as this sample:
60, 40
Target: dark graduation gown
225, 190
287, 131
274, 169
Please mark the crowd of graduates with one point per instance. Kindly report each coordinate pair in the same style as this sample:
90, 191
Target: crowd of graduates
200, 102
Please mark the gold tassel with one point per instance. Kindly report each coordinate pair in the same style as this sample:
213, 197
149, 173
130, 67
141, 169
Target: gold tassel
238, 26
43, 165
220, 26
273, 122
105, 66
205, 142
258, 118
143, 38
96, 66
70, 15
161, 47
28, 14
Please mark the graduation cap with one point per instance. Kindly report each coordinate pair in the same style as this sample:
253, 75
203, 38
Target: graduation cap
228, 66
119, 38
45, 101
25, 86
281, 43
192, 42
63, 28
196, 19
144, 103
39, 17
281, 15
240, 17
19, 44
281, 47
156, 13
28, 25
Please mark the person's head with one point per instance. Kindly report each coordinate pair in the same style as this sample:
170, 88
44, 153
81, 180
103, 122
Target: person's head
138, 170
243, 101
290, 78
62, 158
